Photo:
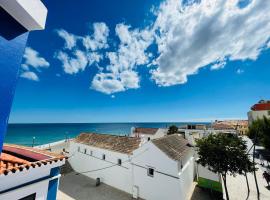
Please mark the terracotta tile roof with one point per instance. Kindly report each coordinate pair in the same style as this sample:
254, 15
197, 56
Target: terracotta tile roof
174, 146
148, 131
122, 144
16, 158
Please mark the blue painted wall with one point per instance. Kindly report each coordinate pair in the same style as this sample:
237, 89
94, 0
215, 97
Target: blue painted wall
13, 38
53, 184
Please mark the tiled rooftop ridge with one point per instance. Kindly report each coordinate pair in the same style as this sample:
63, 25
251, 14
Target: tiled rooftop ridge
16, 158
121, 144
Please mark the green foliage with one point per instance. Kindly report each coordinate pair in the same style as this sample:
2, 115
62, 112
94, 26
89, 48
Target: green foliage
259, 131
172, 130
224, 154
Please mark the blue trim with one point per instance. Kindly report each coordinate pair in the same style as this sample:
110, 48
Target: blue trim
13, 38
53, 184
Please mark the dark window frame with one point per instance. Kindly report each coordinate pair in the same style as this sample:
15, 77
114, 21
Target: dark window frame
150, 172
119, 162
29, 197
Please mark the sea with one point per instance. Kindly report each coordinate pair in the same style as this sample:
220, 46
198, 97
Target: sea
44, 133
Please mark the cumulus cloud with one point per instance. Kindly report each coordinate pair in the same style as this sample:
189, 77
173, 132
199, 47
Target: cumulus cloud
99, 38
32, 61
30, 76
204, 33
131, 53
75, 59
74, 64
109, 83
188, 36
69, 39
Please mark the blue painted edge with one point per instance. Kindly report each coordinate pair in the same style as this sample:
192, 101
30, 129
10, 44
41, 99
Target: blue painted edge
13, 39
53, 184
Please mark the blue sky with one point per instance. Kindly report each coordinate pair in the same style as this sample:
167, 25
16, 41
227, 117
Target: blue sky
145, 61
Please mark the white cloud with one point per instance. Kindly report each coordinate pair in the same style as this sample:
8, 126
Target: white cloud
193, 36
75, 59
218, 65
189, 36
70, 39
30, 75
32, 62
109, 83
74, 64
123, 62
33, 59
239, 71
99, 38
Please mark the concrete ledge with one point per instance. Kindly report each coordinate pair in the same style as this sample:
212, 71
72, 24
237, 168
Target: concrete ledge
31, 14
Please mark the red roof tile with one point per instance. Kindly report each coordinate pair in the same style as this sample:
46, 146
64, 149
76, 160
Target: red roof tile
16, 158
147, 131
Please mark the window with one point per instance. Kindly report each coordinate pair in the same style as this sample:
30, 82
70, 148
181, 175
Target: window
119, 162
79, 149
150, 172
29, 197
85, 151
103, 157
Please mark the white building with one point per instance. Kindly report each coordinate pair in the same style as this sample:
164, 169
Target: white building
259, 110
27, 173
106, 157
163, 169
147, 134
138, 169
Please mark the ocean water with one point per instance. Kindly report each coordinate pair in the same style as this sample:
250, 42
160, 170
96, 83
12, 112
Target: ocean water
23, 134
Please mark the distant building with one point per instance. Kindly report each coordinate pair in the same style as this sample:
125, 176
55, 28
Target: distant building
137, 168
147, 134
259, 110
231, 126
28, 174
196, 126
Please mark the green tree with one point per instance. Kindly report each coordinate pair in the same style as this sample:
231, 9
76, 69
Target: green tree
259, 131
172, 130
224, 154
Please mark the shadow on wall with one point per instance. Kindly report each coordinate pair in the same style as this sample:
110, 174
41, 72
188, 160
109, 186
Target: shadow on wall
10, 28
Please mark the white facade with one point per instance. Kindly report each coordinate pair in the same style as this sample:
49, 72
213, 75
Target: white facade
31, 14
118, 176
19, 178
172, 179
161, 132
253, 115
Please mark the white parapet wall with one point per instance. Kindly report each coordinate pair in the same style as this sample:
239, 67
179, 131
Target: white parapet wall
31, 14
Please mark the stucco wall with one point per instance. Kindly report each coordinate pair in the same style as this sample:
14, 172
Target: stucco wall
169, 180
107, 170
12, 180
253, 115
40, 189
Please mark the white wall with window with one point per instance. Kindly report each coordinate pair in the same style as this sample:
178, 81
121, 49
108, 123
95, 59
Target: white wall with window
111, 167
158, 177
